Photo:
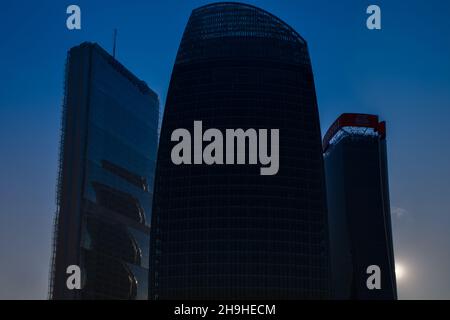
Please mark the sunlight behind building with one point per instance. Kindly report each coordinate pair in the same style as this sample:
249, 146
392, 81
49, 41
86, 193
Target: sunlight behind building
400, 271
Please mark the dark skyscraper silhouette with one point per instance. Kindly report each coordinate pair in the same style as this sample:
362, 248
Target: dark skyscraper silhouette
104, 193
225, 231
358, 207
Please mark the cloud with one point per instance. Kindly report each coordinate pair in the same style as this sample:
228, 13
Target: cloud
399, 212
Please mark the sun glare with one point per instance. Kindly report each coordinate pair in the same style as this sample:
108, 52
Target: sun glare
399, 271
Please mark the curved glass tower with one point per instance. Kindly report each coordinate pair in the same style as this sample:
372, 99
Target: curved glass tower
225, 231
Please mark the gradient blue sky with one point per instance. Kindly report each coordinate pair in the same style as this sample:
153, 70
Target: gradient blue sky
401, 73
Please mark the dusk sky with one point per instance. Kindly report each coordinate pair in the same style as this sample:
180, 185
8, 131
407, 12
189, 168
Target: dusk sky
401, 73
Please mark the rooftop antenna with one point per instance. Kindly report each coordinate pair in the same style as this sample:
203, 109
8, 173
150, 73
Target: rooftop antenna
114, 43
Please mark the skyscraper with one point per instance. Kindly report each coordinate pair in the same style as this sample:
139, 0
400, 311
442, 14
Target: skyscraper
225, 231
104, 192
358, 207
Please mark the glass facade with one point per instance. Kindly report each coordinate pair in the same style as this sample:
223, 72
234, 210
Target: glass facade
358, 207
225, 231
105, 189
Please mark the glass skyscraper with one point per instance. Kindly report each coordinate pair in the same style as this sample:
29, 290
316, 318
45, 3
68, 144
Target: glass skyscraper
225, 231
358, 207
105, 185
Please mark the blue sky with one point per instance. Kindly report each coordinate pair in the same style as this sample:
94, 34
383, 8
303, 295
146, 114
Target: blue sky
401, 73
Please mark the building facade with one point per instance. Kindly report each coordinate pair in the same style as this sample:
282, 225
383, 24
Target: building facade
105, 184
225, 231
358, 208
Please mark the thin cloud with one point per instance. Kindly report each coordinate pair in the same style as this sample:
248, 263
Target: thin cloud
399, 212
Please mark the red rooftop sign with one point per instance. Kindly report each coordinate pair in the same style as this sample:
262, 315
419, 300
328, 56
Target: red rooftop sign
354, 120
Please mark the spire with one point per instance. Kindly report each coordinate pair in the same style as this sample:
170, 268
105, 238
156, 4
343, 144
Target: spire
114, 43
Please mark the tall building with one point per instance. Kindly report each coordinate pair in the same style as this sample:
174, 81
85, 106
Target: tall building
225, 231
104, 192
358, 207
